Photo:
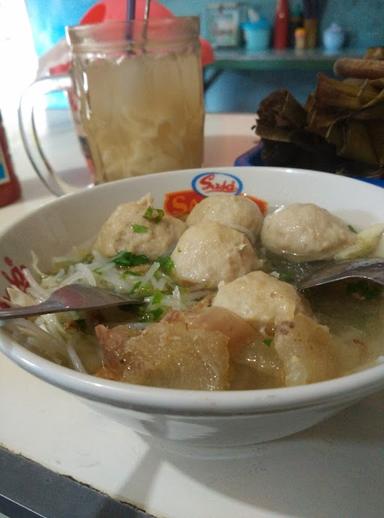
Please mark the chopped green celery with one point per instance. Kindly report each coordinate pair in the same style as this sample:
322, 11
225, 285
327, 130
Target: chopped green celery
139, 229
166, 264
286, 276
157, 297
129, 259
154, 215
142, 289
153, 315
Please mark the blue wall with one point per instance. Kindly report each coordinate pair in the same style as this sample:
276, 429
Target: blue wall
242, 91
362, 19
49, 18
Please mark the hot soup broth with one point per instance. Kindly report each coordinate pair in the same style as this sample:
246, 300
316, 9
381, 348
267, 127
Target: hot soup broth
221, 309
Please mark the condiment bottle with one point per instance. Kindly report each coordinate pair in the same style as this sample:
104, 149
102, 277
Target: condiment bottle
300, 38
310, 26
9, 184
281, 34
333, 38
296, 22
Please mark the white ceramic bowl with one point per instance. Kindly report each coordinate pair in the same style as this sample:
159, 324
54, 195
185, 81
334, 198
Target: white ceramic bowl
207, 423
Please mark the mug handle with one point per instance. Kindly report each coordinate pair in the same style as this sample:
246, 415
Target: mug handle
29, 135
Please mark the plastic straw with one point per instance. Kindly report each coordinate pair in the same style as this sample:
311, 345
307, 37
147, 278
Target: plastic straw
147, 9
131, 12
131, 9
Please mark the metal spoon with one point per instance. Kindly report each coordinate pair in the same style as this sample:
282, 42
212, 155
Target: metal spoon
371, 269
71, 298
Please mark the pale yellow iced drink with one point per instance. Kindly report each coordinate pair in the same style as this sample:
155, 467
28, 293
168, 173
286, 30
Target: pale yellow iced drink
141, 113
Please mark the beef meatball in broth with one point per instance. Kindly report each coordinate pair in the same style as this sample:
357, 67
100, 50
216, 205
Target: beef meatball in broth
305, 232
209, 253
128, 229
260, 299
237, 212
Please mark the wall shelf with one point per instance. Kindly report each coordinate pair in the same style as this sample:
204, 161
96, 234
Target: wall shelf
241, 59
316, 60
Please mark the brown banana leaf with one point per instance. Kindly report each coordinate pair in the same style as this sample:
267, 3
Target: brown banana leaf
319, 121
273, 132
342, 96
342, 123
372, 112
282, 109
352, 140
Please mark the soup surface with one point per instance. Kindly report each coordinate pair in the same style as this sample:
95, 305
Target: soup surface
220, 308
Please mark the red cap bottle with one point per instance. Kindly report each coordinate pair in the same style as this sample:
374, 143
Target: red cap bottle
9, 184
281, 30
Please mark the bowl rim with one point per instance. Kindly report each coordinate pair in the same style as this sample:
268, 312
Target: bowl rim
192, 402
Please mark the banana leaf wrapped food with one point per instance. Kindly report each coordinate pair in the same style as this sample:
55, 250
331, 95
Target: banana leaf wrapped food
340, 129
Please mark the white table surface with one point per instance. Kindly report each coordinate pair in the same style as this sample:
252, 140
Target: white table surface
332, 470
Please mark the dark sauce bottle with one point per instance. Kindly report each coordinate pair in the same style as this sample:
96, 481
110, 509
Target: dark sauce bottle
9, 184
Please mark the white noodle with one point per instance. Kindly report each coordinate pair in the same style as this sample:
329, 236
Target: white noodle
150, 273
35, 289
35, 260
74, 357
54, 335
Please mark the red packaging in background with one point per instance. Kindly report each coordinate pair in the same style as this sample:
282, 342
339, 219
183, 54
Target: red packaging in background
9, 184
281, 29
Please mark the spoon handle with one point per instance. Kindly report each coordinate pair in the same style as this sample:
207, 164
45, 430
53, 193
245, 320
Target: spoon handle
30, 311
370, 269
72, 297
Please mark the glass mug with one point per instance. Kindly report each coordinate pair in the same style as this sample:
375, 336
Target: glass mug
136, 95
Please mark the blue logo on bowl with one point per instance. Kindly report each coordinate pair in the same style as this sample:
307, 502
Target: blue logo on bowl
214, 183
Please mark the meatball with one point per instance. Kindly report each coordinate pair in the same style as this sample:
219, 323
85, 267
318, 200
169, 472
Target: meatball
209, 253
238, 212
260, 299
305, 232
128, 229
